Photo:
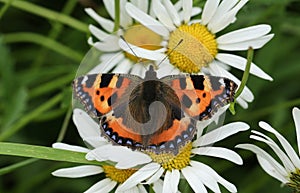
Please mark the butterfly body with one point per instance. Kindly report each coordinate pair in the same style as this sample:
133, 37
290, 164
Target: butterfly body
150, 113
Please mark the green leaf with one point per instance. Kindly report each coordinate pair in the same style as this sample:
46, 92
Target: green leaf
46, 153
48, 14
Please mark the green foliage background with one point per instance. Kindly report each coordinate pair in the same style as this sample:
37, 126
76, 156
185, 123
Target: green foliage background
41, 46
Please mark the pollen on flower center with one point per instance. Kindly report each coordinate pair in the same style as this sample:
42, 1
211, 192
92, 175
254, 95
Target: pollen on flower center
141, 36
118, 175
295, 180
197, 49
169, 161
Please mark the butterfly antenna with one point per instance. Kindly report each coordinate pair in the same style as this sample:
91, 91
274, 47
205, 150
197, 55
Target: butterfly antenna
170, 53
139, 58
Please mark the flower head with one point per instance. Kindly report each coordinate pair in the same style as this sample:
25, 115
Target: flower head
114, 174
200, 50
168, 166
287, 170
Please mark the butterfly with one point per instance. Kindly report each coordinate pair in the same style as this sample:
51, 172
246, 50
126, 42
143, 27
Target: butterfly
152, 114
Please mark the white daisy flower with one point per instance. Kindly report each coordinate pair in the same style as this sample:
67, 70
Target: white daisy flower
141, 39
287, 170
115, 175
197, 174
201, 50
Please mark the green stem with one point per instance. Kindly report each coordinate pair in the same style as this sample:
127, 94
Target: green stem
274, 108
244, 79
12, 167
46, 153
56, 29
48, 14
5, 8
65, 124
30, 116
117, 15
246, 72
44, 41
50, 86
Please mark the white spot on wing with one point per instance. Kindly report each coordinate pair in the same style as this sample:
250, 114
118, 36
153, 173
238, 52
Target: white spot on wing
85, 78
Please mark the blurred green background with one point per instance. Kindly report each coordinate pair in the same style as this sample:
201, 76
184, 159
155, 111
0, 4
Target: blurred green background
41, 46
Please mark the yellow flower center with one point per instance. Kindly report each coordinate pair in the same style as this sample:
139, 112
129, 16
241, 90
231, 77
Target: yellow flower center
295, 180
197, 49
169, 161
141, 36
118, 175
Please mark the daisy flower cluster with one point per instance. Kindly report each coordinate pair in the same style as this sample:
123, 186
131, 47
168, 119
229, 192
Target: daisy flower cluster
132, 171
287, 169
166, 35
154, 30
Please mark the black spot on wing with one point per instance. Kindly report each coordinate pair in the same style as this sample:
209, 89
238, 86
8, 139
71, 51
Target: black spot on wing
105, 80
182, 83
186, 101
198, 81
91, 80
215, 82
119, 81
112, 99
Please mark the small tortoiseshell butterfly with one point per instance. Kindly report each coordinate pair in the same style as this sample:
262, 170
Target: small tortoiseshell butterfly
149, 113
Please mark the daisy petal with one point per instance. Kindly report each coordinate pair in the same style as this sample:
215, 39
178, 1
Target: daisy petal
125, 19
285, 144
166, 68
220, 133
296, 116
110, 44
78, 171
187, 6
141, 52
68, 147
193, 180
209, 10
99, 34
220, 153
244, 34
172, 12
222, 9
208, 181
105, 185
105, 23
139, 70
109, 61
116, 154
124, 67
158, 186
139, 176
208, 170
142, 5
141, 189
269, 169
240, 63
146, 20
162, 15
242, 102
254, 43
227, 18
276, 167
110, 7
171, 181
156, 176
87, 128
